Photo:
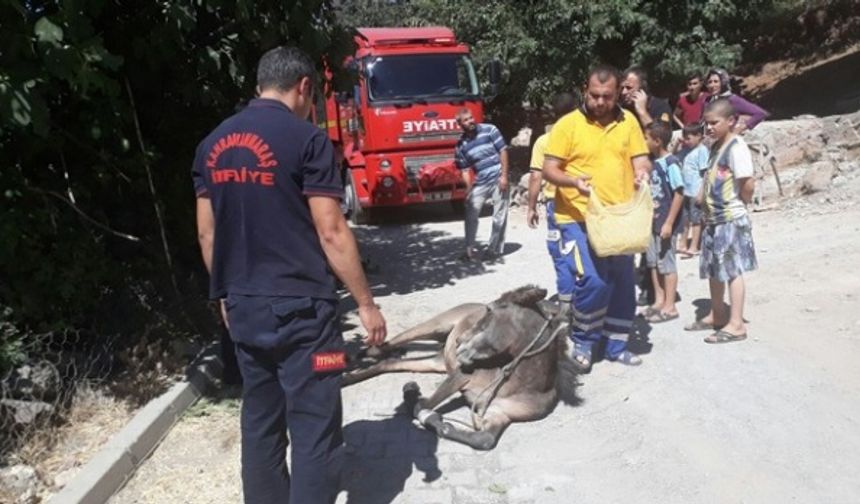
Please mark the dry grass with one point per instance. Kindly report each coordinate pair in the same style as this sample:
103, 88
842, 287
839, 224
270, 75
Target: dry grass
197, 463
62, 450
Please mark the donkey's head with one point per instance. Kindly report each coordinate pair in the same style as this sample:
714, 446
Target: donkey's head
508, 325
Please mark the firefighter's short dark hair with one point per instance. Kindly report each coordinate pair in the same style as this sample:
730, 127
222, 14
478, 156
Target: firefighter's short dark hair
282, 67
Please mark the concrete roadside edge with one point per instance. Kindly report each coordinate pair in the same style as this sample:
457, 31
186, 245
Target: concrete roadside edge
120, 457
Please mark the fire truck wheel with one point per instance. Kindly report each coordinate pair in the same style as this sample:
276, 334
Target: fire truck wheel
354, 212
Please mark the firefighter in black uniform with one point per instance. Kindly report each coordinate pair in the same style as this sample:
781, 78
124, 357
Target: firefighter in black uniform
273, 236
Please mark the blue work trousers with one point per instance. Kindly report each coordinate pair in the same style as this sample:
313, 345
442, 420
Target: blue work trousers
564, 278
604, 300
280, 343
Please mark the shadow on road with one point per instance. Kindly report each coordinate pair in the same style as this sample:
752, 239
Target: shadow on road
702, 307
639, 342
381, 455
409, 258
418, 214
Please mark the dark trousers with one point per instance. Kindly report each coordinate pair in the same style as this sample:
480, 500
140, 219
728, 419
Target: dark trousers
277, 340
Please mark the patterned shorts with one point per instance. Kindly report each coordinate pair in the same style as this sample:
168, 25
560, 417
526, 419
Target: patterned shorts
727, 250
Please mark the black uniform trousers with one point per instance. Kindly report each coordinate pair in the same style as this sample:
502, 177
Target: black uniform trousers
278, 339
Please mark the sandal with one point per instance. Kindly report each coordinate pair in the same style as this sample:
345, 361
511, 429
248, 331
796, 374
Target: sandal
724, 337
659, 317
627, 358
649, 312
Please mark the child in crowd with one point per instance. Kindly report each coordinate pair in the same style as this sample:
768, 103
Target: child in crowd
727, 244
695, 163
667, 188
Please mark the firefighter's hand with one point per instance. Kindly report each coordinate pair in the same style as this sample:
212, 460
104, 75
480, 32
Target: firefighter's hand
503, 183
532, 218
374, 323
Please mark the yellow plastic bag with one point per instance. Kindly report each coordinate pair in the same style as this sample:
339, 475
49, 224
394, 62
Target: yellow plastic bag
621, 229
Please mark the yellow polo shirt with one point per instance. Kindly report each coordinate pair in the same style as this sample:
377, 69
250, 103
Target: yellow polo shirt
536, 163
604, 153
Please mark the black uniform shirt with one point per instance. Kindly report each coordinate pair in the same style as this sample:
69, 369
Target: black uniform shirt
258, 167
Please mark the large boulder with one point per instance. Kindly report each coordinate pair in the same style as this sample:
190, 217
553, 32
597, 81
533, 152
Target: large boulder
523, 138
840, 132
18, 479
39, 380
811, 154
24, 412
793, 142
818, 178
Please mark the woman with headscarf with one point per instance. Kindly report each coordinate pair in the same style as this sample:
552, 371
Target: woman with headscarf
718, 84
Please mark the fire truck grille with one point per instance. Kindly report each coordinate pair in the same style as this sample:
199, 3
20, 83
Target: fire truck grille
430, 137
413, 164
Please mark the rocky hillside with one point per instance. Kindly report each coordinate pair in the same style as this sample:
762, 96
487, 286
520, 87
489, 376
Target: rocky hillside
810, 154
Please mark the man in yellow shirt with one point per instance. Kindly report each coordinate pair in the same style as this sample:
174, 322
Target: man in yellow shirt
562, 104
597, 148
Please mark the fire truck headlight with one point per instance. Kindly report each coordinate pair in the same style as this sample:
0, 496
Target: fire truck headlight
385, 164
388, 182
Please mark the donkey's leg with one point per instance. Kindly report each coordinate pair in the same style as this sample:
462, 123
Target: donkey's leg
523, 407
501, 413
438, 327
423, 409
432, 364
435, 329
455, 381
494, 424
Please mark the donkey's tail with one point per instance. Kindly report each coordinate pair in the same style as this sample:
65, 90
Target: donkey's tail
567, 378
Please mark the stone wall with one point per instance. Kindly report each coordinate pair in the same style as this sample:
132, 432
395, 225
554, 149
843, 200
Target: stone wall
810, 153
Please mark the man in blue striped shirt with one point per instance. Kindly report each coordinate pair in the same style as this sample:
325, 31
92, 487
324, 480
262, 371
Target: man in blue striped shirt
483, 150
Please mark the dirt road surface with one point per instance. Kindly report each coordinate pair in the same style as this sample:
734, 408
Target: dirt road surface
774, 419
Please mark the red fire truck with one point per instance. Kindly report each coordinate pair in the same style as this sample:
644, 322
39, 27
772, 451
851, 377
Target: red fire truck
396, 129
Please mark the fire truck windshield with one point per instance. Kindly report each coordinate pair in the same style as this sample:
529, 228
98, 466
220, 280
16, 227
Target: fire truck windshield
421, 77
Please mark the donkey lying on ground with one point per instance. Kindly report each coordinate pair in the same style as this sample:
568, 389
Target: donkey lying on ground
508, 359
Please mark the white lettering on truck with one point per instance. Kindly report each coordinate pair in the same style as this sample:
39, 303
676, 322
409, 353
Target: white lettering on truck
428, 125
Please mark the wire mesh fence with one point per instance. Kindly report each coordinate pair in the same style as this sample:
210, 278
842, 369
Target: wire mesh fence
40, 378
35, 393
64, 393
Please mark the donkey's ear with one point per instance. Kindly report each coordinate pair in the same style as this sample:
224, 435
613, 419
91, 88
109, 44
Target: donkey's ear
528, 295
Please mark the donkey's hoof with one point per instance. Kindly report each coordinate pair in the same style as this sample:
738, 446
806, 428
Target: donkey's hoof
374, 352
483, 440
411, 392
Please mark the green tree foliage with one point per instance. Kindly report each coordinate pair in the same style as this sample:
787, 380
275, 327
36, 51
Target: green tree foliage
102, 103
101, 106
548, 45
